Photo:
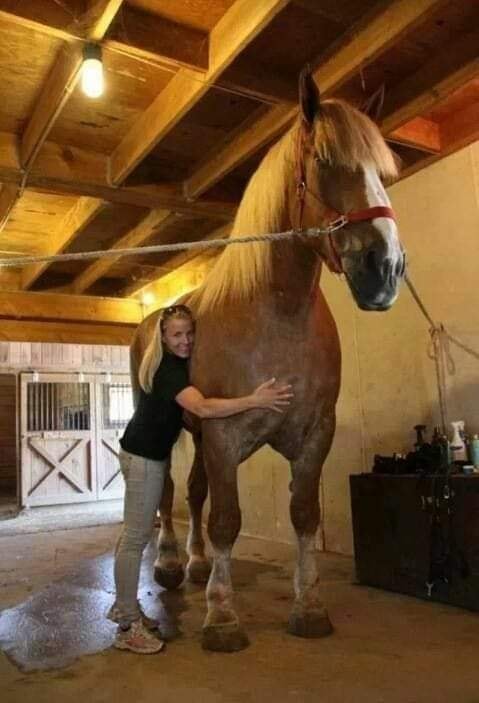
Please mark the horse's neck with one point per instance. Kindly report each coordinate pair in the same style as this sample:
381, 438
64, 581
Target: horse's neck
295, 269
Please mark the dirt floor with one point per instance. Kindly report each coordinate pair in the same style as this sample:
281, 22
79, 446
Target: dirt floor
55, 588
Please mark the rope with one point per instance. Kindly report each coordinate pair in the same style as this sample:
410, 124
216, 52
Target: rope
178, 246
439, 351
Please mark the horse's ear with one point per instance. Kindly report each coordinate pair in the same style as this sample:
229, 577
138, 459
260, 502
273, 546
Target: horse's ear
308, 95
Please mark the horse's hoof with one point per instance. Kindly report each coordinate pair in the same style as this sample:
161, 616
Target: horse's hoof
311, 625
169, 578
198, 571
224, 638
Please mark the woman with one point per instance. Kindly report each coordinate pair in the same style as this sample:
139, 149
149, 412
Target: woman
145, 454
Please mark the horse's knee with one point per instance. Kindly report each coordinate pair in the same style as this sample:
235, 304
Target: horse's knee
224, 526
304, 510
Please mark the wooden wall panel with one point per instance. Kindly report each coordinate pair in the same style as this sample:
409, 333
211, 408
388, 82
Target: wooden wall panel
8, 455
38, 356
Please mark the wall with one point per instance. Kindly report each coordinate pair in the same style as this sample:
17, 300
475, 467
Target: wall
39, 356
388, 380
8, 456
16, 357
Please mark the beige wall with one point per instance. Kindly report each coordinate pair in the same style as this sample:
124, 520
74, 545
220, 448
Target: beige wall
388, 380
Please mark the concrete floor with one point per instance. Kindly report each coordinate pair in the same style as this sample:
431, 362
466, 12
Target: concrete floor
55, 588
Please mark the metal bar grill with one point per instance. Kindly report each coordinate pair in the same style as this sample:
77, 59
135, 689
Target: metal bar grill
57, 407
117, 405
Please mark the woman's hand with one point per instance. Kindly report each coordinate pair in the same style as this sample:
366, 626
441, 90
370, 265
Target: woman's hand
267, 396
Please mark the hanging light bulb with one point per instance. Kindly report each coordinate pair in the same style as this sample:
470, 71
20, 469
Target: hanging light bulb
92, 71
147, 298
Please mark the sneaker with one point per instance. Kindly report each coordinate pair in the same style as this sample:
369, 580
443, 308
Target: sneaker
150, 624
138, 639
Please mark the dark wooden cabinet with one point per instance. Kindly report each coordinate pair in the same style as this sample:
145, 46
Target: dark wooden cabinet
413, 530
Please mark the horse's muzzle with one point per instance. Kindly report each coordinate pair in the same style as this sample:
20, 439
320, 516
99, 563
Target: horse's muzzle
374, 280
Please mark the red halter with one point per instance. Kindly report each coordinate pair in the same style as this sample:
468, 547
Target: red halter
338, 220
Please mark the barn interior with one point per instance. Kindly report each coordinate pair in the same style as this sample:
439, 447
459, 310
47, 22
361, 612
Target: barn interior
195, 94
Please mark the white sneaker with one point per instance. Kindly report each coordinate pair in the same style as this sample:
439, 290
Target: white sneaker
138, 639
150, 623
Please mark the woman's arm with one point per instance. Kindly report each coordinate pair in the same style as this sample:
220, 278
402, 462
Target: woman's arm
265, 396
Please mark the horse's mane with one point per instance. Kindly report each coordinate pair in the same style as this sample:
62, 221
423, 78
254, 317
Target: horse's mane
343, 137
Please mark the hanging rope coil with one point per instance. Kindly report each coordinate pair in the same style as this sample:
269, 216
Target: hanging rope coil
439, 351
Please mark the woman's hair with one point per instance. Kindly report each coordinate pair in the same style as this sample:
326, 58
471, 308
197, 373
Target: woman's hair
154, 351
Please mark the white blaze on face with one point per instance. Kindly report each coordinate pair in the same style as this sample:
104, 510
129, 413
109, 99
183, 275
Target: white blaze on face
377, 196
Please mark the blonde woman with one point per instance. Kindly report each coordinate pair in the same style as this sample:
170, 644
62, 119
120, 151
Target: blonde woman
145, 454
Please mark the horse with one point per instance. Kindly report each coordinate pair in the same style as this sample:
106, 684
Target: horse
261, 313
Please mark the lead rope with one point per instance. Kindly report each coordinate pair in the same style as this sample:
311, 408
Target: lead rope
440, 351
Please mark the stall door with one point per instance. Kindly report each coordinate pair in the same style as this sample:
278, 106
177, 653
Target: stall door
114, 409
57, 439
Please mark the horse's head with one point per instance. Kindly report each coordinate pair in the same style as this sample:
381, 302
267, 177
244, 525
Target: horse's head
341, 161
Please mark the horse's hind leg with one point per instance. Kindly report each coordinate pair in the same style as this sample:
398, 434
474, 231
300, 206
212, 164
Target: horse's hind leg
309, 617
168, 567
198, 568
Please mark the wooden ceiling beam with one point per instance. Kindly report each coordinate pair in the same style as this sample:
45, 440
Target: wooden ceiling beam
239, 26
74, 222
418, 133
151, 224
149, 38
436, 80
247, 140
63, 78
8, 197
65, 332
27, 305
358, 47
457, 131
369, 38
175, 262
43, 16
157, 39
69, 170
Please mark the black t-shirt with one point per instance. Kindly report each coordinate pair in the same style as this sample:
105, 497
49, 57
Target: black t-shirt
157, 421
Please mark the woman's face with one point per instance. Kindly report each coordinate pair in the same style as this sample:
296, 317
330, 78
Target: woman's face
178, 336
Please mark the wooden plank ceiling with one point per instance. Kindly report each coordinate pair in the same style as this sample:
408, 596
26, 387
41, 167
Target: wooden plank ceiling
196, 91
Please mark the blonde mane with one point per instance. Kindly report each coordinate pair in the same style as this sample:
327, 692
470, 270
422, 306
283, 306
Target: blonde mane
343, 137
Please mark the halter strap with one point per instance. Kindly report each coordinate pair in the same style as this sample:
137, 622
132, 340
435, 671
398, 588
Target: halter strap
338, 220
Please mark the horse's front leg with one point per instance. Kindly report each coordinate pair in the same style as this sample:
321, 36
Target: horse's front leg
309, 617
198, 568
221, 629
168, 567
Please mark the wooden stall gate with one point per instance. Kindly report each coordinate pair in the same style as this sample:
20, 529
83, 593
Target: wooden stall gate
70, 427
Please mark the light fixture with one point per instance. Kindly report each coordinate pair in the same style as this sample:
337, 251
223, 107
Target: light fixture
147, 298
92, 71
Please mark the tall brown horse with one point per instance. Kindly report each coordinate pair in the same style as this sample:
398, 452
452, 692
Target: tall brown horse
261, 313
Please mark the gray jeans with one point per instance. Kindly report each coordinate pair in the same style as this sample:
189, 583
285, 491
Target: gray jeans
144, 480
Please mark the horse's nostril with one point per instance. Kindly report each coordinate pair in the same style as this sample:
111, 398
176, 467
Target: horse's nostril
370, 261
401, 266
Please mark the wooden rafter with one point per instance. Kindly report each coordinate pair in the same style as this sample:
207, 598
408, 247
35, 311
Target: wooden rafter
436, 80
419, 133
372, 37
25, 305
8, 198
175, 262
238, 26
69, 170
65, 332
80, 215
152, 223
